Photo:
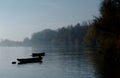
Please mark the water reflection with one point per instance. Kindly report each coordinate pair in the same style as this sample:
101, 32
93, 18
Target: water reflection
74, 61
58, 62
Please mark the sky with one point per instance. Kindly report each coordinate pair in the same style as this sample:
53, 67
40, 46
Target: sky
22, 18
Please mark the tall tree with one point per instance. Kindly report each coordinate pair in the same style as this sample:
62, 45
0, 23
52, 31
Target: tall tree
106, 29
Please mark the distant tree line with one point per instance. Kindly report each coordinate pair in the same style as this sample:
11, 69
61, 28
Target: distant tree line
65, 36
8, 42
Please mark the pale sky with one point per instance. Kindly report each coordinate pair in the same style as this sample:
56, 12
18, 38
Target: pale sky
21, 18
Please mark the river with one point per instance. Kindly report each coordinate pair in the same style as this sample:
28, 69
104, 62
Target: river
57, 63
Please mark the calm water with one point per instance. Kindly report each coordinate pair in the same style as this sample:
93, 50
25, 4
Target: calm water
58, 63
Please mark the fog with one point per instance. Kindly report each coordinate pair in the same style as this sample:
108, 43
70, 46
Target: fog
19, 19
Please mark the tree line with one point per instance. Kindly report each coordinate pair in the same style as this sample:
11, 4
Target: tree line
72, 35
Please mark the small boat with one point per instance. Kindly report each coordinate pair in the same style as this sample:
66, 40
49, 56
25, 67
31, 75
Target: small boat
29, 60
38, 54
20, 63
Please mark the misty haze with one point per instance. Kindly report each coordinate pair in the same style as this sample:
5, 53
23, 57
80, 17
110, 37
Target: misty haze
59, 39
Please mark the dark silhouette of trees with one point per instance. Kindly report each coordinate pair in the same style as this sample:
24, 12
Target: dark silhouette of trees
105, 30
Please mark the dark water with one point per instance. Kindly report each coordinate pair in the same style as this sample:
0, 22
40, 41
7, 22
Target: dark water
58, 63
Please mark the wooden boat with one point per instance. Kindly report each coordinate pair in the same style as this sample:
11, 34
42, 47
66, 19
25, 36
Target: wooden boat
38, 54
29, 60
20, 63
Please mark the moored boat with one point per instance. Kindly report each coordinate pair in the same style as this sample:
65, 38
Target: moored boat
38, 54
29, 60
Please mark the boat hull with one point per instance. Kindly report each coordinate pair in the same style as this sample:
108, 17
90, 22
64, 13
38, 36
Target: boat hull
38, 54
29, 60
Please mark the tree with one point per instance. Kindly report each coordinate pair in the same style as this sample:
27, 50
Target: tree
106, 29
